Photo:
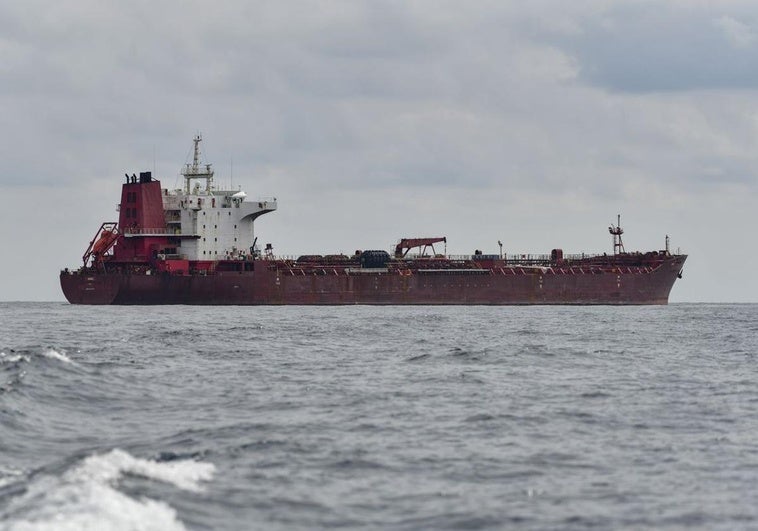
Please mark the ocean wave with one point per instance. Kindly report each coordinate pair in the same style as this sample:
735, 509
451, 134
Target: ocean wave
12, 357
9, 476
25, 355
13, 371
59, 355
87, 498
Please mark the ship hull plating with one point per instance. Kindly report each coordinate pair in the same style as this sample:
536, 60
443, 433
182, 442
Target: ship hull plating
270, 286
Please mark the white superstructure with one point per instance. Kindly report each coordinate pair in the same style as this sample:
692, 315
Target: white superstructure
210, 224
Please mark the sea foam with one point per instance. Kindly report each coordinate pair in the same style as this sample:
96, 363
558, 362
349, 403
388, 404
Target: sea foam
87, 498
53, 354
12, 357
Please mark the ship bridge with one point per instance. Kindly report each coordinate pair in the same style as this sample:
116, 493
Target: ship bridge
205, 223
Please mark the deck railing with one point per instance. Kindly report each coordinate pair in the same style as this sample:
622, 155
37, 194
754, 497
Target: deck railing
510, 258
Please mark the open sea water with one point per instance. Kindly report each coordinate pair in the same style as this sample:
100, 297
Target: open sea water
397, 418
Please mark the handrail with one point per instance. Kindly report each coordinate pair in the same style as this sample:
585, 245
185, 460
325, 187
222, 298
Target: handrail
510, 259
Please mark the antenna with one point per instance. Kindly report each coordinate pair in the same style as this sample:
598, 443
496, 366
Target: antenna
617, 231
195, 171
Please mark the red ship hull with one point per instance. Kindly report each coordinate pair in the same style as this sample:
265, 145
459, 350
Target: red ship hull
267, 284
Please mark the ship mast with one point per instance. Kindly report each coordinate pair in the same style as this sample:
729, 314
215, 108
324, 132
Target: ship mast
617, 231
196, 170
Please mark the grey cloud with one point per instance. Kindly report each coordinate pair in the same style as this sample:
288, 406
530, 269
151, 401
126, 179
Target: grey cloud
650, 47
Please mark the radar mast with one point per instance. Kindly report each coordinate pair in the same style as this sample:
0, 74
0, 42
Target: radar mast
197, 170
617, 231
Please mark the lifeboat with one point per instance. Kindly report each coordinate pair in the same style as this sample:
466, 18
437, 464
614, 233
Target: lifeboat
105, 242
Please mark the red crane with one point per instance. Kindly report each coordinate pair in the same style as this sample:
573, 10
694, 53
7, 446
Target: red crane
406, 244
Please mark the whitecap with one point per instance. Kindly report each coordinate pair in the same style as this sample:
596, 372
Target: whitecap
53, 354
8, 476
87, 496
12, 358
109, 467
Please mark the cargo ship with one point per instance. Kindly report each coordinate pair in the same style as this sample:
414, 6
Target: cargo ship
197, 245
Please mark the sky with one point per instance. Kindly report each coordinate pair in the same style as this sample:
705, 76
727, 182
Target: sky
534, 123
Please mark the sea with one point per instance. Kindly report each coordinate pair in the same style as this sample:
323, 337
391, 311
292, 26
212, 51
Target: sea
364, 417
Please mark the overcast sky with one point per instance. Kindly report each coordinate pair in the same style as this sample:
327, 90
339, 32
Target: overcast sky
534, 123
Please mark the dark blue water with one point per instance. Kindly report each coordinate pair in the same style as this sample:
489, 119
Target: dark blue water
378, 418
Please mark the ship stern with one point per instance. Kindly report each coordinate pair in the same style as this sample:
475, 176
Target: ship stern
88, 287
